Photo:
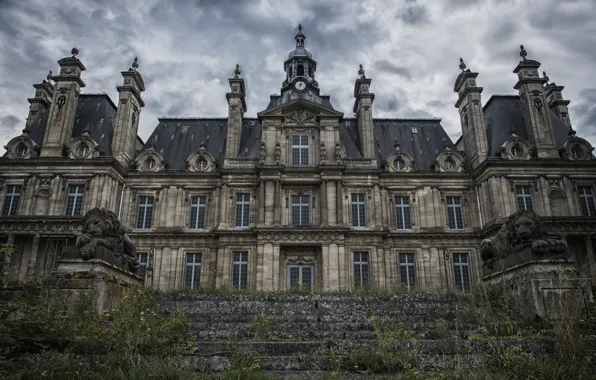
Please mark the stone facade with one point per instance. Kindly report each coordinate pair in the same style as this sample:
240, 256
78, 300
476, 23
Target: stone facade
300, 194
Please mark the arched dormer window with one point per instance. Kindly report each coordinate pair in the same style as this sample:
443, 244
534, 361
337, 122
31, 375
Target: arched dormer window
300, 70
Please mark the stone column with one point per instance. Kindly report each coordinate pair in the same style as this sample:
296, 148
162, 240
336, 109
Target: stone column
261, 203
339, 203
8, 257
277, 203
331, 203
269, 201
33, 257
323, 209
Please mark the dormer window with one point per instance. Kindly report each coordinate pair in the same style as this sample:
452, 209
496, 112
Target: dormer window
577, 152
517, 151
300, 70
449, 164
399, 164
83, 150
150, 164
22, 150
202, 164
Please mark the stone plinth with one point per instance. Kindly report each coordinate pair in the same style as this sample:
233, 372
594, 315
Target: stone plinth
549, 288
105, 283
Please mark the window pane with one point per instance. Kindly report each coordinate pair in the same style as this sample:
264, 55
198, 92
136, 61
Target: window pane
461, 271
360, 269
240, 269
454, 213
524, 198
242, 209
407, 269
11, 199
145, 212
143, 257
402, 212
197, 212
358, 210
192, 271
586, 198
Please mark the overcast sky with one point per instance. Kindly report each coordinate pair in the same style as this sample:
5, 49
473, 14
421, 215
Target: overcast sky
188, 49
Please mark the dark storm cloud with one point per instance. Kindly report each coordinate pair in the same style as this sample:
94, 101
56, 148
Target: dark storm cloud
188, 50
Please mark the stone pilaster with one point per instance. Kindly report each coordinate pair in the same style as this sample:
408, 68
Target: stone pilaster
471, 115
33, 257
127, 118
557, 103
538, 122
64, 106
42, 100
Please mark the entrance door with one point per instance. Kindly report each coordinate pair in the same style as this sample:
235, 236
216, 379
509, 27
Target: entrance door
301, 275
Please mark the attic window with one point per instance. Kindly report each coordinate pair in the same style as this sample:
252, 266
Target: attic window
347, 123
577, 152
251, 123
300, 70
185, 129
22, 150
414, 130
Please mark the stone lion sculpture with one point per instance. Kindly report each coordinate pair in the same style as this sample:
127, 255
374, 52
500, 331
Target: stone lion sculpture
523, 229
102, 228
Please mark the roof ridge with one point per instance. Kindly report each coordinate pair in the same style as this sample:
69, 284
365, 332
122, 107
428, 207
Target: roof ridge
100, 94
409, 118
190, 118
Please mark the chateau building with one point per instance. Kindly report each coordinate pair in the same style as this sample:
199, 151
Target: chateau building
301, 194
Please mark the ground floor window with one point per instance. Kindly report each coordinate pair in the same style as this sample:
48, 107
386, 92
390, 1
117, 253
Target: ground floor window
240, 269
407, 269
301, 276
192, 271
360, 270
461, 269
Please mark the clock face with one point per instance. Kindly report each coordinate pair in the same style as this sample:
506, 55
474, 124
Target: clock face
300, 85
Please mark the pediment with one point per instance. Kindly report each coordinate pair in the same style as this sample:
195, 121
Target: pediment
306, 107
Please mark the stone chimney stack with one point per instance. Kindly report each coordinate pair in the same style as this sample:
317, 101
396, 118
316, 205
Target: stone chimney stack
68, 84
556, 102
130, 103
42, 100
236, 109
363, 111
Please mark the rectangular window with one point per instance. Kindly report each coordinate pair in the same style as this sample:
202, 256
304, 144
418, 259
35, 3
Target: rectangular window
300, 210
299, 149
240, 270
402, 212
75, 200
461, 270
143, 261
407, 269
358, 210
197, 212
145, 214
242, 209
586, 198
455, 214
11, 199
524, 198
360, 270
192, 271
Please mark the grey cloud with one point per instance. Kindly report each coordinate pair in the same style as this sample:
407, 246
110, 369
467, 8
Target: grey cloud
412, 13
385, 65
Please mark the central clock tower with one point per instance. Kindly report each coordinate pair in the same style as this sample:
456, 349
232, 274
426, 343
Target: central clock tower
300, 68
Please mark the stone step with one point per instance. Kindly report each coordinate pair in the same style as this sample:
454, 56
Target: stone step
322, 375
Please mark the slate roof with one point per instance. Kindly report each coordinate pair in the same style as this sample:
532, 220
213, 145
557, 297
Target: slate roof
176, 138
502, 113
94, 111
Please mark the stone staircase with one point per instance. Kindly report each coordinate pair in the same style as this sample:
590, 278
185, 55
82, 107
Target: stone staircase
295, 334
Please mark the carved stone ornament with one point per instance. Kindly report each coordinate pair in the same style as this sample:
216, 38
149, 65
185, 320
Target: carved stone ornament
201, 161
150, 161
537, 103
576, 148
399, 161
22, 147
323, 153
338, 153
83, 147
449, 160
277, 153
61, 101
515, 148
523, 231
263, 152
300, 117
102, 229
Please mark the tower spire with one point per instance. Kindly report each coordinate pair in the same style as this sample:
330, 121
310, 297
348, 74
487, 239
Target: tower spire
299, 37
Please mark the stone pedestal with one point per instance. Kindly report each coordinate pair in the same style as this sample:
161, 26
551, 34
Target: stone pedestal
105, 283
550, 288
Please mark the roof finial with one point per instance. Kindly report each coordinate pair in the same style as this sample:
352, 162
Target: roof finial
135, 63
74, 52
300, 27
462, 65
49, 77
512, 131
237, 71
545, 77
572, 131
361, 72
522, 52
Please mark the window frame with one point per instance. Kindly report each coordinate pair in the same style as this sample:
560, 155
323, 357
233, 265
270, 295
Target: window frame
145, 207
409, 283
13, 207
402, 207
301, 205
240, 263
198, 206
467, 265
455, 207
358, 210
143, 264
587, 208
80, 196
358, 265
244, 206
196, 266
525, 197
300, 148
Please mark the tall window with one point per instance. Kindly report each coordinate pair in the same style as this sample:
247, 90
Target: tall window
300, 210
240, 270
407, 269
524, 198
455, 214
192, 271
75, 199
143, 261
586, 198
11, 199
197, 212
360, 269
145, 213
461, 269
242, 209
358, 210
299, 149
402, 212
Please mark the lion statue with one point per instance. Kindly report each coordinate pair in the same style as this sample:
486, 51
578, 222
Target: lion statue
523, 229
102, 228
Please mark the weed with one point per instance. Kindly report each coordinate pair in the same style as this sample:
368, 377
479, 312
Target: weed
261, 327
